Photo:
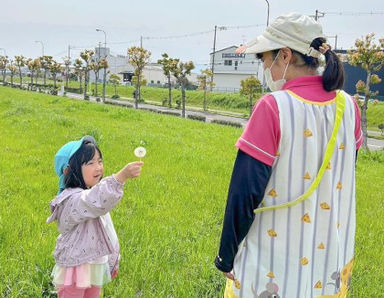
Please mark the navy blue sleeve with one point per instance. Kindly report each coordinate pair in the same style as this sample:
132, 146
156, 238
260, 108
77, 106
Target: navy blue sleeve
246, 191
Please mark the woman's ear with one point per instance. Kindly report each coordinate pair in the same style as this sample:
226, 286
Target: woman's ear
286, 55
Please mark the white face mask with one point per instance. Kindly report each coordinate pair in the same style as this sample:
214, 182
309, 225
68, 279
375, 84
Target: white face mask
278, 84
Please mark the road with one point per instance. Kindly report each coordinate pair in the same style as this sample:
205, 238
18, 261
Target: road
373, 144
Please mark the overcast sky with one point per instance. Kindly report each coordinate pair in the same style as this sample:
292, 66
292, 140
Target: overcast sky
73, 22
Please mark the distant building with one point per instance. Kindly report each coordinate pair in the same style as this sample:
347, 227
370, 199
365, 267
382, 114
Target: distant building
230, 68
119, 65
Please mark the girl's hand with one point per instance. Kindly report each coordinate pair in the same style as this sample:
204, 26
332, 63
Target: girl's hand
114, 274
130, 171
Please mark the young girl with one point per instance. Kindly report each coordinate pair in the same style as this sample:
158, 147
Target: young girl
87, 249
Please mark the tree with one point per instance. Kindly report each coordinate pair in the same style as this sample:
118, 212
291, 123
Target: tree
181, 72
20, 62
104, 65
205, 82
96, 66
55, 68
250, 87
114, 79
37, 66
12, 70
67, 63
87, 56
46, 62
369, 56
33, 65
138, 58
79, 72
169, 65
3, 66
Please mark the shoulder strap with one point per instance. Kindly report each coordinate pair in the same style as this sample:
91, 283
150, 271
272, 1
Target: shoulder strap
340, 107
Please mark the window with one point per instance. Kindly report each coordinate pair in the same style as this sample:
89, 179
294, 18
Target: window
152, 82
158, 82
236, 63
228, 62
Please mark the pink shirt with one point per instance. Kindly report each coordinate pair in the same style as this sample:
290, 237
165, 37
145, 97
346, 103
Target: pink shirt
261, 136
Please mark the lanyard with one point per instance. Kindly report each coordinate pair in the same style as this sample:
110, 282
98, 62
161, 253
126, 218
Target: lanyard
340, 107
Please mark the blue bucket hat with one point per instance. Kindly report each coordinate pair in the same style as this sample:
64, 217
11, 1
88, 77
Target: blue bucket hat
63, 156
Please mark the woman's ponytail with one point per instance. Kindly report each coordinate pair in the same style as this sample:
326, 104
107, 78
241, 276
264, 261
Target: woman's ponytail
333, 75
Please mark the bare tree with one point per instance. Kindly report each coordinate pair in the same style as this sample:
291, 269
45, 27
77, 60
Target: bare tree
20, 62
3, 66
54, 69
79, 70
67, 63
87, 56
12, 70
250, 87
138, 58
46, 62
369, 56
205, 82
169, 65
180, 73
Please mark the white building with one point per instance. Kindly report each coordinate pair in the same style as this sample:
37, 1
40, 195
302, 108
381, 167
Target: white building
229, 68
119, 64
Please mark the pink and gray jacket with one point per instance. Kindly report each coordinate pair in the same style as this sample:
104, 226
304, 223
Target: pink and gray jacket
83, 237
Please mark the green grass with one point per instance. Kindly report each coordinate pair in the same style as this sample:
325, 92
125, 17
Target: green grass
233, 102
170, 219
375, 115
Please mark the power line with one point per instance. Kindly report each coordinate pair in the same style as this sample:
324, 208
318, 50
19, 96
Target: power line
354, 13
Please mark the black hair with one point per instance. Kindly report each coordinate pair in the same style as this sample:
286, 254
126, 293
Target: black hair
333, 75
74, 177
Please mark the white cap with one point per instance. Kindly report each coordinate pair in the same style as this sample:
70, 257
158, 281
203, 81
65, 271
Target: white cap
292, 30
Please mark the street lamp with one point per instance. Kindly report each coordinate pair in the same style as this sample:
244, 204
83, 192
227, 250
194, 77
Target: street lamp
105, 56
42, 46
262, 85
105, 41
267, 13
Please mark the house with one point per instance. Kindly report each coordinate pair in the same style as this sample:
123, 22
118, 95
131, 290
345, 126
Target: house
230, 68
153, 72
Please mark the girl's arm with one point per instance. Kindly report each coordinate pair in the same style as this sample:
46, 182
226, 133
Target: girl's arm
98, 200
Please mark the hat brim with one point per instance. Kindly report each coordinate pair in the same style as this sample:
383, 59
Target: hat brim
259, 45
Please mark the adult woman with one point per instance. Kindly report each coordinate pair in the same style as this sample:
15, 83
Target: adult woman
296, 247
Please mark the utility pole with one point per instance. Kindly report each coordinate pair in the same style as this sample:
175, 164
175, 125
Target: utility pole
67, 66
105, 57
42, 46
213, 56
319, 14
141, 41
214, 51
335, 37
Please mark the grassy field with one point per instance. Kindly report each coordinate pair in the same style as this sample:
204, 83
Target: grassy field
169, 220
375, 115
233, 102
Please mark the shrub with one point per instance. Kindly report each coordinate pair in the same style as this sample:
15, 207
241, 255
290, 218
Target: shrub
381, 127
197, 117
225, 122
115, 96
170, 113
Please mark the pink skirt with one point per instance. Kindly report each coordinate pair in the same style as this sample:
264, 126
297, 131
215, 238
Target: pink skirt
82, 276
